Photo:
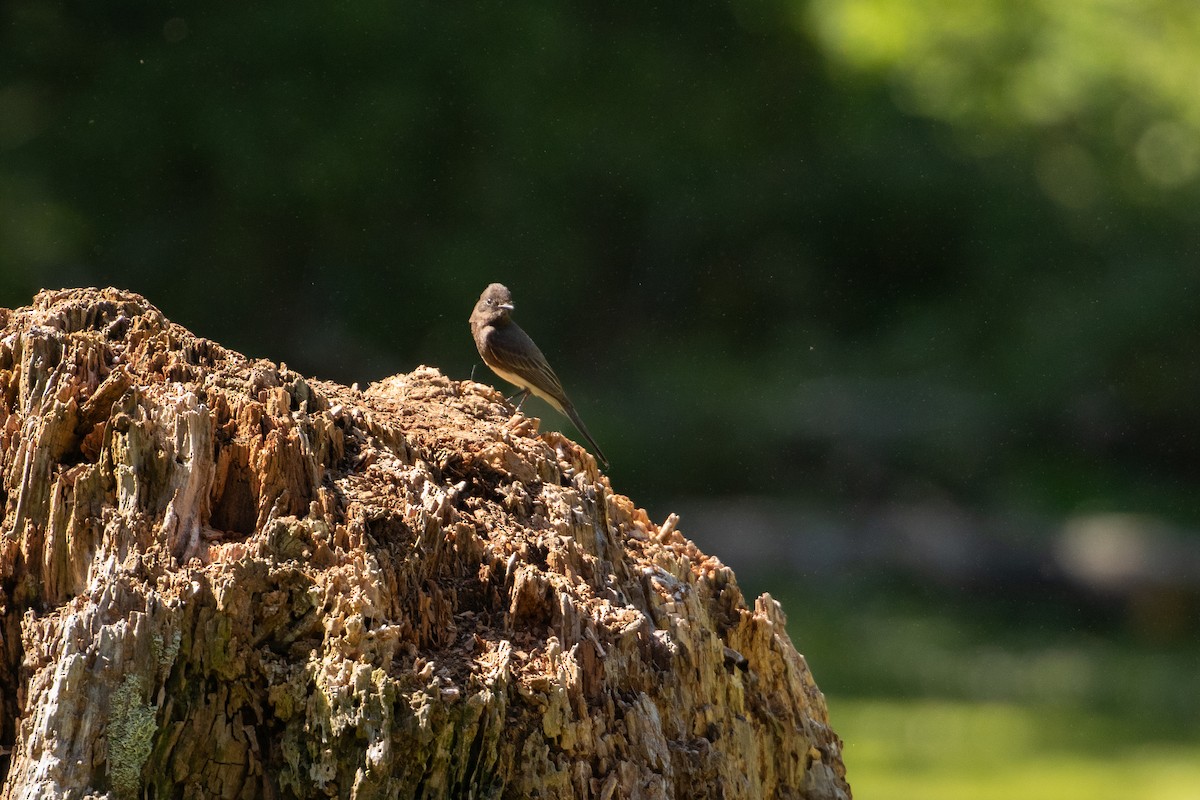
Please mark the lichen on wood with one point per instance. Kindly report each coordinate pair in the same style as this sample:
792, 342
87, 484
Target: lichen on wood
220, 579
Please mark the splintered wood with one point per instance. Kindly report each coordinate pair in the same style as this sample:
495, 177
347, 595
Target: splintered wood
219, 579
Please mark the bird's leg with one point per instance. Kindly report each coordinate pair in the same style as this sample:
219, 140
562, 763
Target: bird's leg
524, 393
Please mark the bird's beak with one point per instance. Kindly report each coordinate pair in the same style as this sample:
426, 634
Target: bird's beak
507, 306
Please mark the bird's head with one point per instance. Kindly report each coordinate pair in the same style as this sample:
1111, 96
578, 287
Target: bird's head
494, 304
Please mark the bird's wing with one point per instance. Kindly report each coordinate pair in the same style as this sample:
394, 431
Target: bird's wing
514, 352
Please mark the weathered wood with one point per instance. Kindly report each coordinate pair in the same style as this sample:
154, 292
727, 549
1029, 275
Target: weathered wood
221, 579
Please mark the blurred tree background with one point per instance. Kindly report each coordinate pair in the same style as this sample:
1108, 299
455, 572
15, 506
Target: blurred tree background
850, 261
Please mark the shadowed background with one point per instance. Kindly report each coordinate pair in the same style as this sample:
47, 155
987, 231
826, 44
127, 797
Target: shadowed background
898, 307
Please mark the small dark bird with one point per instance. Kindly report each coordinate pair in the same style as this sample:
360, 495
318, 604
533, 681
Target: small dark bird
512, 355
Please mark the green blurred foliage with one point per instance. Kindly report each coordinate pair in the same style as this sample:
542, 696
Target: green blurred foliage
862, 250
1100, 90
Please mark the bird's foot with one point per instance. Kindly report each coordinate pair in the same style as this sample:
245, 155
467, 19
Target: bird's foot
523, 394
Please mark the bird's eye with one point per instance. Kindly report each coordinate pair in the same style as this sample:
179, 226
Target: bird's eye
491, 302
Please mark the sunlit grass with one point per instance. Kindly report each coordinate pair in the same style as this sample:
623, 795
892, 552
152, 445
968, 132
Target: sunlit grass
943, 694
933, 749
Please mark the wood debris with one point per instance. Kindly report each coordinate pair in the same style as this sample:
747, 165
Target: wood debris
219, 578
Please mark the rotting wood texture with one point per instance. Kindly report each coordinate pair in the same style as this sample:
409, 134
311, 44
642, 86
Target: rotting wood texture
219, 579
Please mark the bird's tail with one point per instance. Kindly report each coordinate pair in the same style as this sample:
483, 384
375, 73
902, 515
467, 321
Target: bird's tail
569, 410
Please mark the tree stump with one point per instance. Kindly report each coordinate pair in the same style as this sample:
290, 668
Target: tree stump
220, 579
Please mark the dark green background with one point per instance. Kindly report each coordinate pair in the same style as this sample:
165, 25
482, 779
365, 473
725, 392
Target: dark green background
849, 256
757, 266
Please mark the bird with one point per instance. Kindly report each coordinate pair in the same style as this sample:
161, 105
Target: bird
512, 355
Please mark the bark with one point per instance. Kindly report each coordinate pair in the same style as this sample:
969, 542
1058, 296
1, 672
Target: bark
221, 579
